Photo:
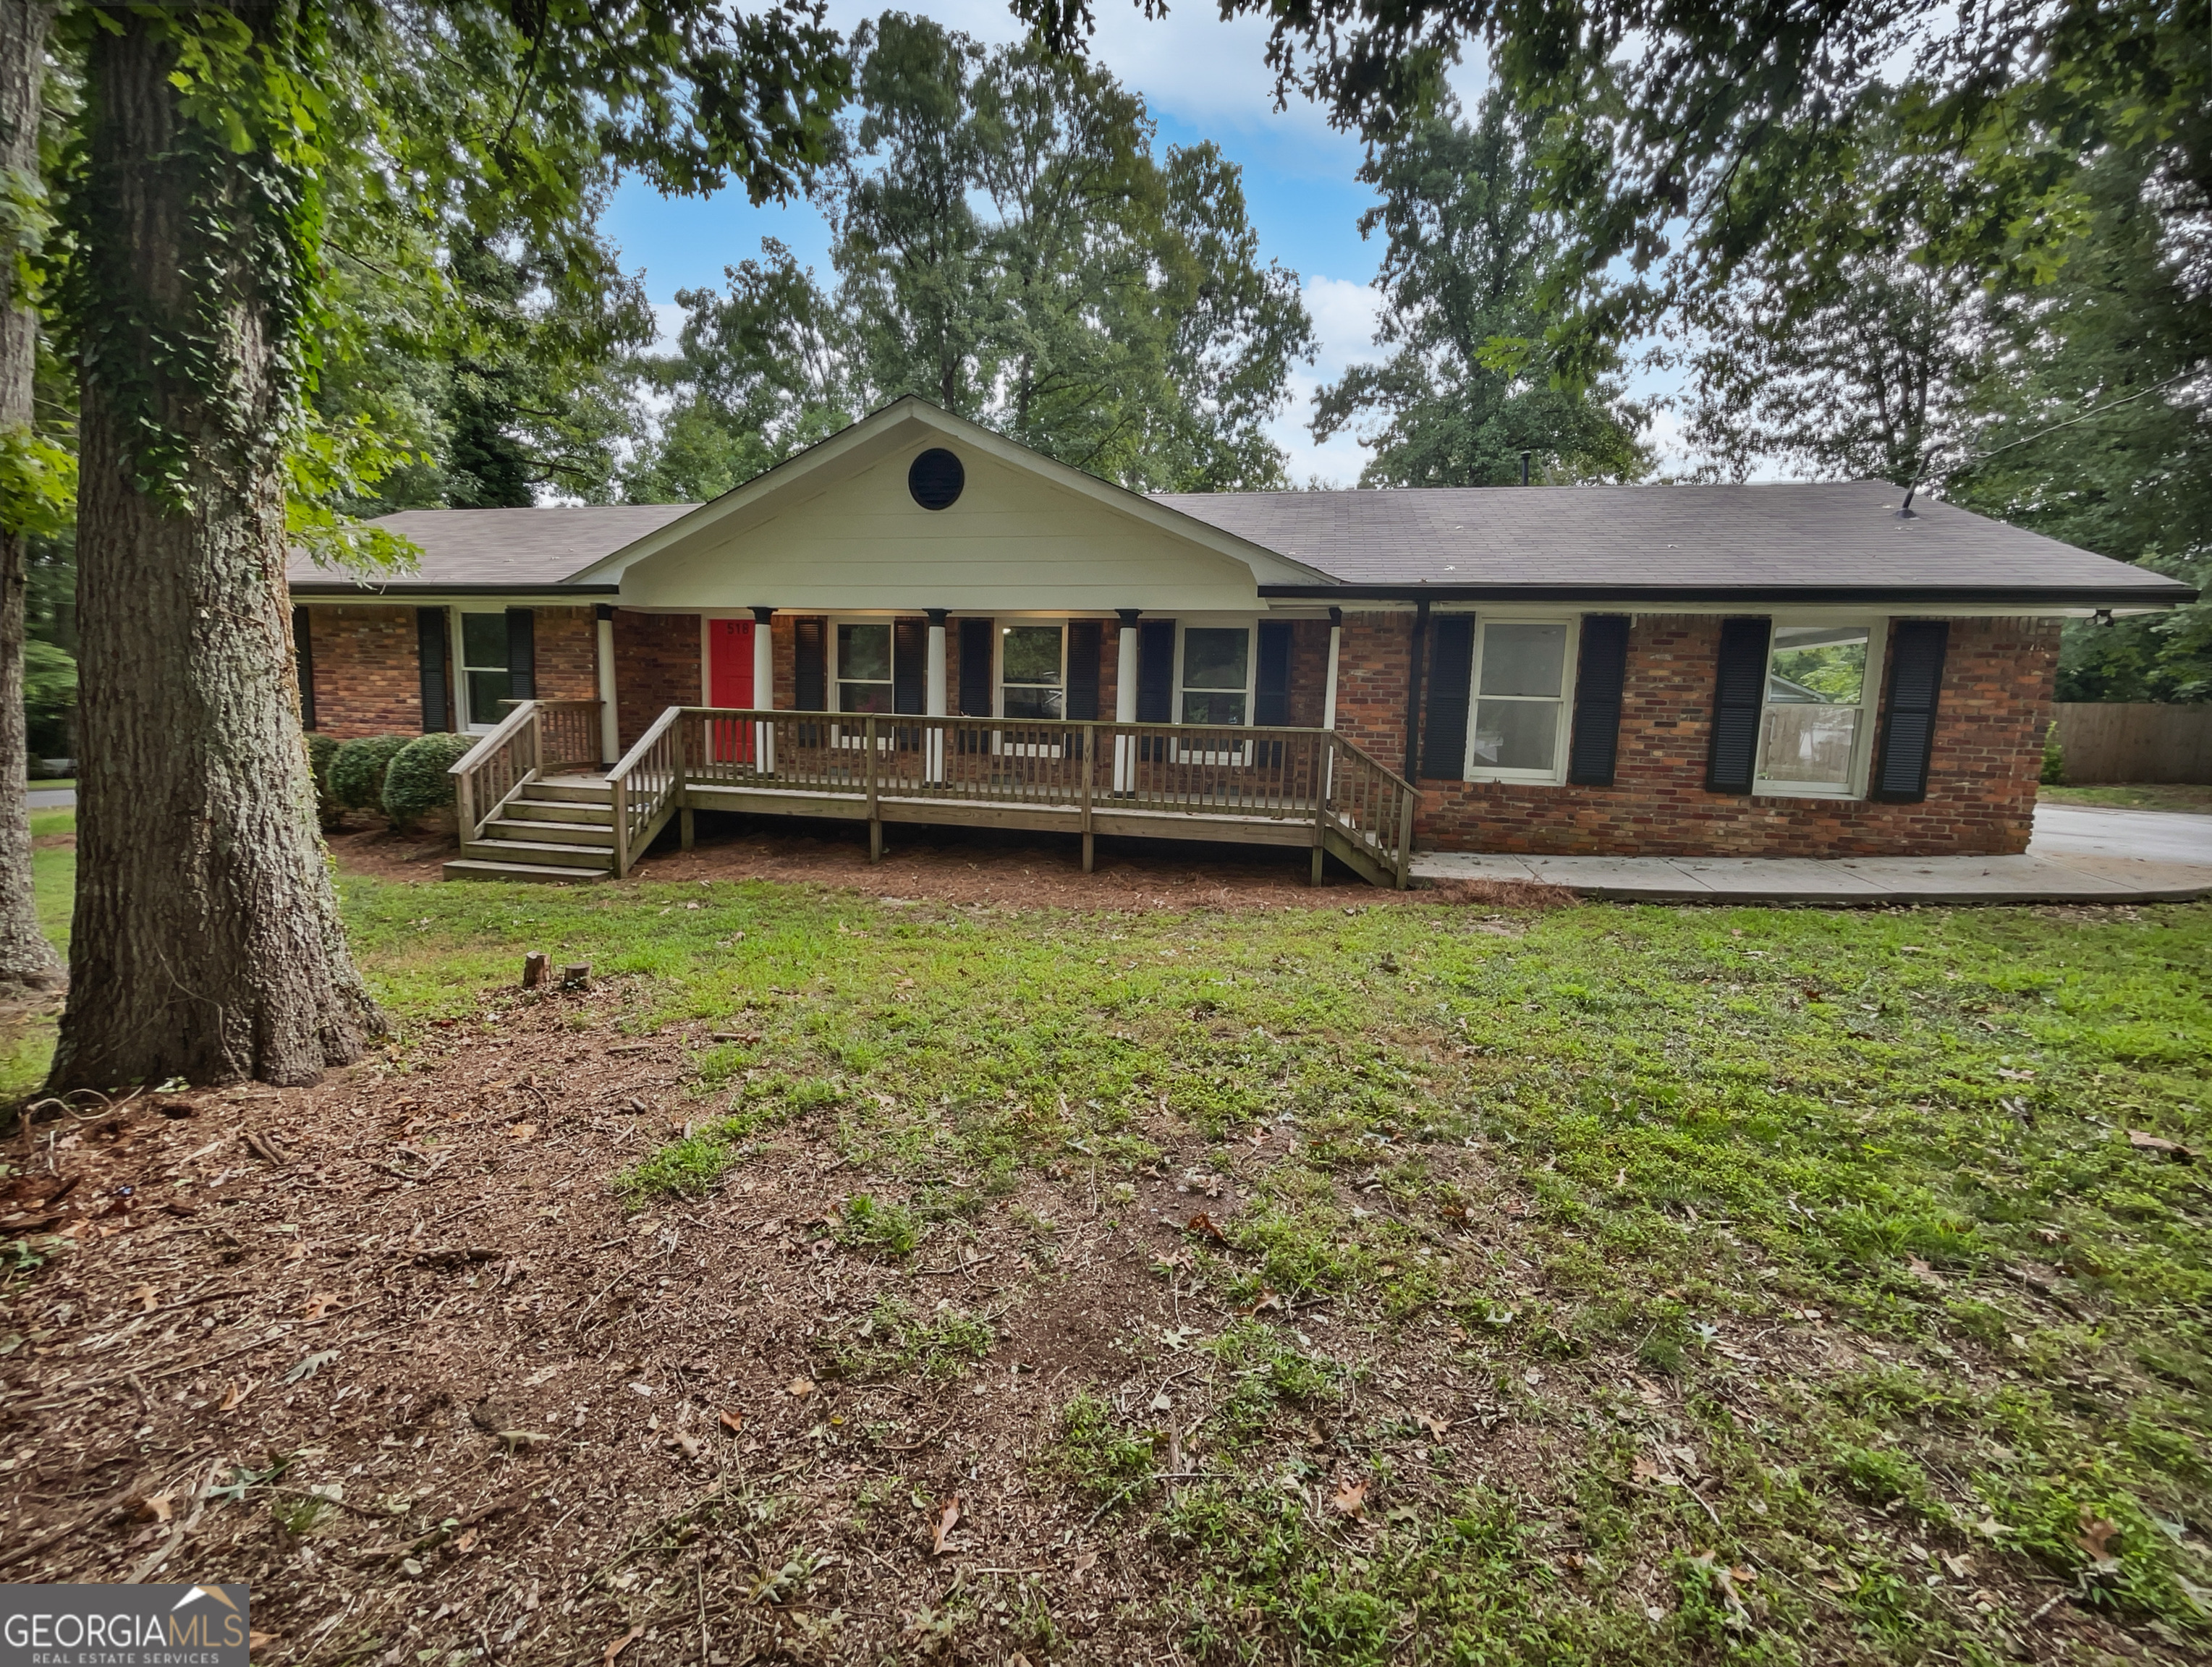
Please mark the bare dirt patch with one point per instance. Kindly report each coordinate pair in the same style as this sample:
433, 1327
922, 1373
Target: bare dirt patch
970, 867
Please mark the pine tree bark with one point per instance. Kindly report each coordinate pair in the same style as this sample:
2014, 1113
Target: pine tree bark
27, 961
206, 943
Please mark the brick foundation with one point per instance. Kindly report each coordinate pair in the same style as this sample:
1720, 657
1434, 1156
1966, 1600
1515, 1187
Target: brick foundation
1996, 694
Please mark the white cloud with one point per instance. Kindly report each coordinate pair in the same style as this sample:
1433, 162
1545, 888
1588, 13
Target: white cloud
1344, 314
668, 324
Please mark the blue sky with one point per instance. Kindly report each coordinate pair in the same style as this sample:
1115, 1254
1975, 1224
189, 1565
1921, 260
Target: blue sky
1202, 79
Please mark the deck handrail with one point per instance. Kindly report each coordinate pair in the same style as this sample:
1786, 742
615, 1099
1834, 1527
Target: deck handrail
1224, 770
655, 765
536, 736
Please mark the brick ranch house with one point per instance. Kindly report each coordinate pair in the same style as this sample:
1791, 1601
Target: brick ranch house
1790, 670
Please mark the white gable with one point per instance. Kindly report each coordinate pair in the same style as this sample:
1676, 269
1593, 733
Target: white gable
838, 529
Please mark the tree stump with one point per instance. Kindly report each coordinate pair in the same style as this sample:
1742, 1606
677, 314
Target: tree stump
578, 976
533, 969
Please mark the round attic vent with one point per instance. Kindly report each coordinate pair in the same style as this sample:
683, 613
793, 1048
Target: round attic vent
935, 479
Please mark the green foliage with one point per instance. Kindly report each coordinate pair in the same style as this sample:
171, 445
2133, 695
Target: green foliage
49, 698
418, 780
1096, 1453
870, 1224
321, 750
1470, 384
1009, 248
2053, 772
357, 769
893, 1341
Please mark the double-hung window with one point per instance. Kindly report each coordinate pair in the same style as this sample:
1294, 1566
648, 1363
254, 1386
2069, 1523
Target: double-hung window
485, 681
1812, 736
863, 668
1216, 675
1032, 671
1520, 717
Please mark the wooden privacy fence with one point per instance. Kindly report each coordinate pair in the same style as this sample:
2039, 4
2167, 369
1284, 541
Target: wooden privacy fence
537, 738
2135, 741
1278, 787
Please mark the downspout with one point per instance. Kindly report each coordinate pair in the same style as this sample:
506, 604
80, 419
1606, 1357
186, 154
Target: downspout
1328, 688
1413, 689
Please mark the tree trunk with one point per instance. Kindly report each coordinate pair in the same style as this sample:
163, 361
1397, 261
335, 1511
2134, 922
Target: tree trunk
206, 943
28, 960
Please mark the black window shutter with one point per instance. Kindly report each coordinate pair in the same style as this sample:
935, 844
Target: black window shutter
1086, 637
430, 651
976, 644
1908, 726
1156, 671
1601, 673
1739, 695
810, 666
1452, 683
1271, 686
303, 655
910, 659
522, 653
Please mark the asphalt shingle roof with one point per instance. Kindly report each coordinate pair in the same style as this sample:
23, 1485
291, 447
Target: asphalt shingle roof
1832, 540
1826, 536
525, 548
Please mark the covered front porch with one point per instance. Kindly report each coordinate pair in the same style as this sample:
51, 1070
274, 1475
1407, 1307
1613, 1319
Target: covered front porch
533, 801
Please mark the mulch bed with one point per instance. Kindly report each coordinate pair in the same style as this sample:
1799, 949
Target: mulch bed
975, 867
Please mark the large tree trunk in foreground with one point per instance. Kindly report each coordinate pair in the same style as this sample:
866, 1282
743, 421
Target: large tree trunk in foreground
27, 961
206, 943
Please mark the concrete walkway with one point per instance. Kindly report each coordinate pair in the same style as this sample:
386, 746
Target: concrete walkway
2079, 855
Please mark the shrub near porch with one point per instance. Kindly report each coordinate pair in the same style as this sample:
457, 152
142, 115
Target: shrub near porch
1606, 1284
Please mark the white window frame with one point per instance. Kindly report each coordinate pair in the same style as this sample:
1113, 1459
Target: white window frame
1241, 752
1764, 786
850, 728
1569, 661
999, 743
457, 627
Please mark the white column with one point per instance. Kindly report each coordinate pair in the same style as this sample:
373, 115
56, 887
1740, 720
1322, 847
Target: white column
1328, 689
764, 687
933, 699
1124, 703
609, 725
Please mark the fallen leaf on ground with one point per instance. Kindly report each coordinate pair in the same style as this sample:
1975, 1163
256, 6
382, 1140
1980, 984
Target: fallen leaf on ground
1270, 1299
467, 1541
1645, 1469
615, 1646
800, 1387
2143, 1142
154, 1507
522, 1131
1351, 1497
318, 1305
234, 1394
1202, 1224
732, 1421
1436, 1425
1927, 1275
947, 1519
308, 1367
2096, 1537
146, 1298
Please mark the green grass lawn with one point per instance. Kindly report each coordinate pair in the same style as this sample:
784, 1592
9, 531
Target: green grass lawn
2142, 796
1850, 1195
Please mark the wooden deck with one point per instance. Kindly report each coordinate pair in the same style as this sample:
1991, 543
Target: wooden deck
1300, 788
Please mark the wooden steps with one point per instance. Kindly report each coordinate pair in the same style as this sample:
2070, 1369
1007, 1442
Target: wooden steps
553, 831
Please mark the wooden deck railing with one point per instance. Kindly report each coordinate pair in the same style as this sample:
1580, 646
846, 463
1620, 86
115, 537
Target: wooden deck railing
1221, 773
537, 736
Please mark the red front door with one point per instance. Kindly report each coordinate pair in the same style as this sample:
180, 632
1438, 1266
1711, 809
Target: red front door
730, 684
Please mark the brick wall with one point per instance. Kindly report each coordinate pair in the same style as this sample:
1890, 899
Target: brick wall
1996, 694
368, 669
567, 653
656, 666
1309, 672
